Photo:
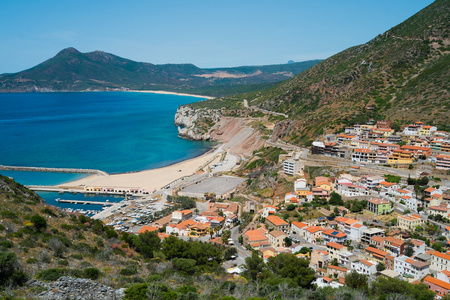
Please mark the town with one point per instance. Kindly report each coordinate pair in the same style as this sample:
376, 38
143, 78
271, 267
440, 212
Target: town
380, 207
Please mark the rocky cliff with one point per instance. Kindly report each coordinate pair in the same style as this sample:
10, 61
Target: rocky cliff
196, 123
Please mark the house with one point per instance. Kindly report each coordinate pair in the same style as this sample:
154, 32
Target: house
199, 229
375, 254
277, 223
441, 210
363, 266
443, 162
321, 193
276, 238
332, 235
377, 242
335, 249
147, 228
440, 261
410, 222
312, 233
346, 257
182, 229
269, 209
300, 187
417, 151
297, 228
439, 287
291, 198
323, 183
336, 272
418, 246
180, 215
378, 206
411, 268
369, 233
319, 259
325, 282
401, 157
351, 190
351, 227
394, 245
163, 222
364, 155
255, 237
444, 276
293, 166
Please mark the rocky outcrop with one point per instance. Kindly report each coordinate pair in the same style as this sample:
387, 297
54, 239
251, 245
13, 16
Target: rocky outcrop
196, 123
76, 288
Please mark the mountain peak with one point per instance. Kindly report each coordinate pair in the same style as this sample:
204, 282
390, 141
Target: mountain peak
69, 50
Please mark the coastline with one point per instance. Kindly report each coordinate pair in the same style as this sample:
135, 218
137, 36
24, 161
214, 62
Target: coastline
152, 179
170, 93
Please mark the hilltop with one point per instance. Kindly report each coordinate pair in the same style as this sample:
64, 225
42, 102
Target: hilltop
401, 75
71, 70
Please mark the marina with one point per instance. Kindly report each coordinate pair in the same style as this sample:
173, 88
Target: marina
84, 202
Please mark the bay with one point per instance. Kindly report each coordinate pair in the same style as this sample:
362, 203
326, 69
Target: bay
115, 132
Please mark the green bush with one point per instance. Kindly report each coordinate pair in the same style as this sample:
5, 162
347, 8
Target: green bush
9, 272
91, 273
6, 244
129, 271
8, 214
76, 256
31, 260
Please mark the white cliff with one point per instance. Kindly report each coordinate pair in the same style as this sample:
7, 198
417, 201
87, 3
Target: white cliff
196, 123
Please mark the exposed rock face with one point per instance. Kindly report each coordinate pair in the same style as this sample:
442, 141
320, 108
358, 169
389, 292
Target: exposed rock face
76, 288
195, 124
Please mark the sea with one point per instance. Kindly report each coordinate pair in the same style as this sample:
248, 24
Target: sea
116, 132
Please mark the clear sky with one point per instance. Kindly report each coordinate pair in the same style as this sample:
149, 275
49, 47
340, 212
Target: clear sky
207, 33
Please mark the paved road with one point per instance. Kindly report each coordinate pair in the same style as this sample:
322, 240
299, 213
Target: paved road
242, 252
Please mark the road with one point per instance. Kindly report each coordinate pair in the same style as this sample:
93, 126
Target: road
242, 252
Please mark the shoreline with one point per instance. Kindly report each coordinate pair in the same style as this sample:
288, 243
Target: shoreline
151, 179
170, 93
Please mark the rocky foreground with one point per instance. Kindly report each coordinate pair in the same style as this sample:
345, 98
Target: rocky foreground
76, 289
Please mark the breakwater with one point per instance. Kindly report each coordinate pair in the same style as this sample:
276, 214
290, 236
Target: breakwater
84, 202
53, 170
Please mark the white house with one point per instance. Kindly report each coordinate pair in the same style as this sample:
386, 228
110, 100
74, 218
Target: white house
440, 261
351, 190
312, 233
351, 227
297, 228
300, 184
269, 209
291, 198
409, 267
326, 281
363, 266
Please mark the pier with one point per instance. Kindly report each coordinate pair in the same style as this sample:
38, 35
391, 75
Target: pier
84, 202
53, 170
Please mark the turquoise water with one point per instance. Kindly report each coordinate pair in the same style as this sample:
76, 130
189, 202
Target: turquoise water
111, 131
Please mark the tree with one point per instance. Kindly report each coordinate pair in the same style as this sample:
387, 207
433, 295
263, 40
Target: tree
39, 223
290, 207
334, 262
355, 280
226, 235
185, 265
289, 266
9, 269
288, 241
230, 252
146, 243
241, 239
254, 265
335, 199
381, 267
409, 251
390, 286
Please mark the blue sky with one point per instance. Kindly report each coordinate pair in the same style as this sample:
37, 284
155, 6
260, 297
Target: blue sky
207, 33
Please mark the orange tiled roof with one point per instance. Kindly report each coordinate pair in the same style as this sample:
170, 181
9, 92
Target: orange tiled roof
366, 262
335, 245
277, 221
437, 282
299, 224
376, 251
441, 255
146, 228
313, 229
337, 268
331, 231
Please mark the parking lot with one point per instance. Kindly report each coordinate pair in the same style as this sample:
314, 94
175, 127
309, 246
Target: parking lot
218, 185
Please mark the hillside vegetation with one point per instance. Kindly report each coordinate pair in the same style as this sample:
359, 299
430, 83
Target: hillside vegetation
402, 74
71, 70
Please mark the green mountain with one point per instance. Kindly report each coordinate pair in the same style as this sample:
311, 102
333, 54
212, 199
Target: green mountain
71, 70
402, 74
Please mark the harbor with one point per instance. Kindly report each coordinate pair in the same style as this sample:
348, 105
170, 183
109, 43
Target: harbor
84, 202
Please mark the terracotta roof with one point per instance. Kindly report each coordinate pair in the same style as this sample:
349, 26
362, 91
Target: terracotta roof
358, 225
441, 255
334, 233
378, 201
337, 268
313, 229
271, 206
430, 189
376, 251
256, 235
446, 273
299, 224
378, 238
366, 262
437, 282
277, 221
277, 233
335, 245
146, 228
327, 278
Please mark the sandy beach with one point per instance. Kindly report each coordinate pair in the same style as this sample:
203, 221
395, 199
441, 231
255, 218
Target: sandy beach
171, 93
150, 180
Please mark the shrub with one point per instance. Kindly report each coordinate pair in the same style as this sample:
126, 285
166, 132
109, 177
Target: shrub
31, 260
111, 234
39, 223
6, 244
129, 271
76, 256
91, 273
9, 272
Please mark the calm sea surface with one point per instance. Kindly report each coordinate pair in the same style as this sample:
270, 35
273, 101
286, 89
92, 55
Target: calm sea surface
110, 131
